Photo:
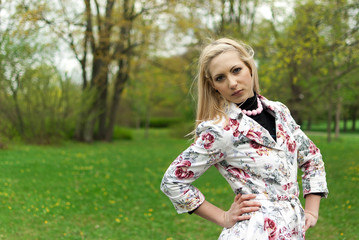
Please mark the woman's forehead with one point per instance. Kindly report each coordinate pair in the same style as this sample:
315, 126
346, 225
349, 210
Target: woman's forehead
224, 61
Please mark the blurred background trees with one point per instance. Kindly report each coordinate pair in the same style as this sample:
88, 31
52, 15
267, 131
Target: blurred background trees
132, 63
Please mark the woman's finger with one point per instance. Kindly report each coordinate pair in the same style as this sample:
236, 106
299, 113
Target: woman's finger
248, 210
307, 225
243, 217
237, 197
250, 204
246, 197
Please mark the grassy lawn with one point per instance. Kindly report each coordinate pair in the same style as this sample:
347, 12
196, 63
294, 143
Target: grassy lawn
111, 191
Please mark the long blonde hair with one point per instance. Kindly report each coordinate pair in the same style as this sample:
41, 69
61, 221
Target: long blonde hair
210, 104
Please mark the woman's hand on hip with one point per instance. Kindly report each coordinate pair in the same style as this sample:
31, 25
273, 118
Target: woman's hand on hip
311, 219
240, 205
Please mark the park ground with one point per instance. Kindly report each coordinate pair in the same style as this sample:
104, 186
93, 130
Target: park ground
111, 191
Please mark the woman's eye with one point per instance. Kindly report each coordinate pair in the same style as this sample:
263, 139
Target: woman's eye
237, 70
219, 78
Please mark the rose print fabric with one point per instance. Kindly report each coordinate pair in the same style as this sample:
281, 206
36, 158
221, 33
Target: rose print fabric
251, 161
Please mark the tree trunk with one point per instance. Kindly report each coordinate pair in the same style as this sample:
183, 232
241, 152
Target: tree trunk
147, 122
354, 115
295, 100
329, 123
345, 121
309, 124
121, 79
98, 109
124, 68
102, 105
88, 134
79, 131
20, 126
337, 117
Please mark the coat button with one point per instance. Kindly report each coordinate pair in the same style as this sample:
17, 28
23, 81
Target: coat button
281, 154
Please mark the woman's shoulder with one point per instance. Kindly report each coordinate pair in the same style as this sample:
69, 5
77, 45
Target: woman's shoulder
212, 136
274, 104
215, 126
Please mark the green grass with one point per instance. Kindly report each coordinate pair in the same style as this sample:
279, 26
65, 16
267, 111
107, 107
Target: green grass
111, 191
321, 126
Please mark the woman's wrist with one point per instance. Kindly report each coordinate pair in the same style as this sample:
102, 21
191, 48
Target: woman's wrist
315, 215
212, 213
312, 203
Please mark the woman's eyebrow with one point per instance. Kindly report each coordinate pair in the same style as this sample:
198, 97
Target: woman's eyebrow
235, 66
218, 74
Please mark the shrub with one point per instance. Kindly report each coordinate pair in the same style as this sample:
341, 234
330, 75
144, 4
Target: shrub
181, 130
161, 122
121, 133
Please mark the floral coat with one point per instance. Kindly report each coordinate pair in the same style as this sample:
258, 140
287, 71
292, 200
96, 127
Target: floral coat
252, 162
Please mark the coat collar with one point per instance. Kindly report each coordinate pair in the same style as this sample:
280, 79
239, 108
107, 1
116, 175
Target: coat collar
253, 130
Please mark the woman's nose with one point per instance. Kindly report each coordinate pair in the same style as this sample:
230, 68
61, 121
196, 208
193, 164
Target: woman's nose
232, 82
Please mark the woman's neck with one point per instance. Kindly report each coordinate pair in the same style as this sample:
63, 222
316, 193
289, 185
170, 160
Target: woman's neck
249, 104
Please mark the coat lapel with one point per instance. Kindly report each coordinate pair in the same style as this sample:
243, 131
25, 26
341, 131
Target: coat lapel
251, 129
281, 127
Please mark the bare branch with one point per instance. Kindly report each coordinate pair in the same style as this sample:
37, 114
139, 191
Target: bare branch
89, 30
108, 22
99, 22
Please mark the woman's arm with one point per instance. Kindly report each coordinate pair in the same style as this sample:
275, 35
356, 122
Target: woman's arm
227, 219
211, 147
312, 202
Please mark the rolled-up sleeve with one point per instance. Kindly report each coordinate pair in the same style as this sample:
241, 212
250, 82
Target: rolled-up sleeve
208, 149
309, 160
311, 163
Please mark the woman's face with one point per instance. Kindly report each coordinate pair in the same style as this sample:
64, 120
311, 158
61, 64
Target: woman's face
231, 77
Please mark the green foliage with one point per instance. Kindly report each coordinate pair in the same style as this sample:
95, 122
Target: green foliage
307, 59
121, 133
38, 103
111, 191
45, 107
158, 91
181, 130
162, 122
309, 63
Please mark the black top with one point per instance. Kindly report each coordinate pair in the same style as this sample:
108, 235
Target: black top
265, 118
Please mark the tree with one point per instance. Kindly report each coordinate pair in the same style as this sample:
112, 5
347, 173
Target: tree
159, 86
34, 105
238, 18
313, 57
103, 36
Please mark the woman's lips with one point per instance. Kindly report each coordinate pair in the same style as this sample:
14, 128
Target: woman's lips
237, 93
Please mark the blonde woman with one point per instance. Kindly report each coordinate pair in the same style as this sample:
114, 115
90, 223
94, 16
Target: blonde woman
256, 146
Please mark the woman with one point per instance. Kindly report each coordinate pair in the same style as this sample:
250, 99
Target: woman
256, 146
